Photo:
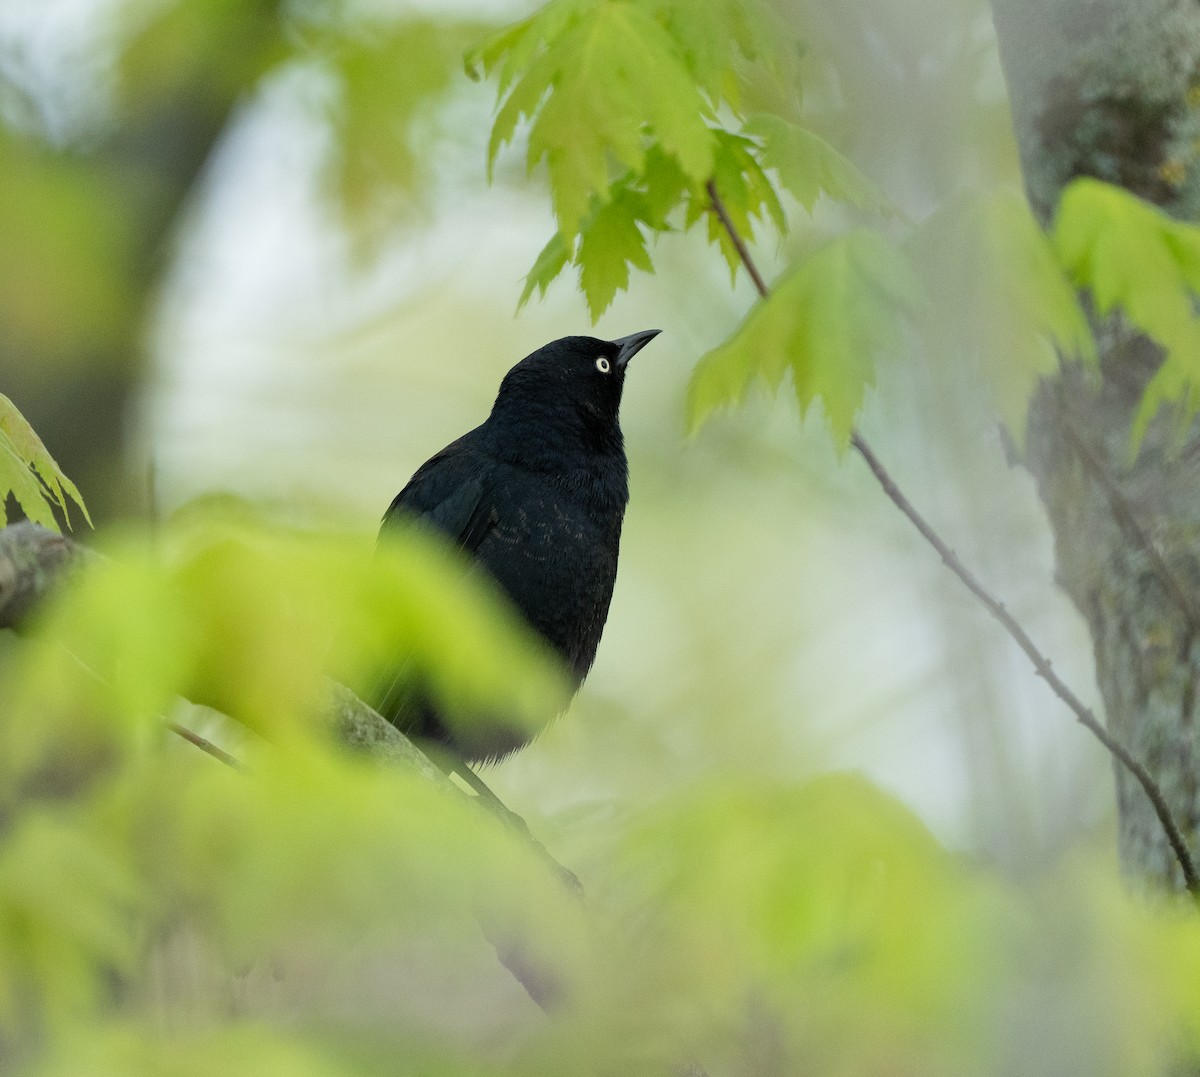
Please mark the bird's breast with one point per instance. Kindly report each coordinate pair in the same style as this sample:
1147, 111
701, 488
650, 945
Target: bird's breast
557, 560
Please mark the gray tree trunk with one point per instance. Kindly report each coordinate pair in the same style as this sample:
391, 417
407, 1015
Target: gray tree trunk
1111, 89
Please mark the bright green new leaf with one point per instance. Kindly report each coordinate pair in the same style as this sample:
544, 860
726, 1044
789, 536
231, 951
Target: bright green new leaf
613, 235
17, 478
510, 50
746, 192
1135, 258
555, 256
809, 167
21, 455
1001, 297
661, 187
611, 241
825, 321
598, 80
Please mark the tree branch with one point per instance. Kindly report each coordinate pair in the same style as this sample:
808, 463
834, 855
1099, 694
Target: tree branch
33, 562
1041, 664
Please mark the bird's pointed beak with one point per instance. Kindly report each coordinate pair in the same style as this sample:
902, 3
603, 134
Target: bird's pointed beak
629, 346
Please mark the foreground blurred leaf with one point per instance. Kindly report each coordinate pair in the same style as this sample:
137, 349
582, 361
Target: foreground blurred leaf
820, 928
826, 879
824, 322
108, 656
250, 620
67, 903
1133, 257
238, 1050
420, 602
398, 855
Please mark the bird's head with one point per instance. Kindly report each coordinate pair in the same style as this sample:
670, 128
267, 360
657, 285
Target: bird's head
574, 377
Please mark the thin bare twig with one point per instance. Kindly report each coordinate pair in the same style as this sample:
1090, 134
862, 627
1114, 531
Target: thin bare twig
1041, 664
206, 746
735, 238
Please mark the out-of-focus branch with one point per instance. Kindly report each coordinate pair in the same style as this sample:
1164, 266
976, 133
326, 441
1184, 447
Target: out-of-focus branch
33, 561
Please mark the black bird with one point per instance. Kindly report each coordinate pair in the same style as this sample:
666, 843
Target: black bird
536, 495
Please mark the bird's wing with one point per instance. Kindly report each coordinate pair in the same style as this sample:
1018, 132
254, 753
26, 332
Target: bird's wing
450, 492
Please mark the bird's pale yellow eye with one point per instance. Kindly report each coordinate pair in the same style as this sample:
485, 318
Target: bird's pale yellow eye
603, 365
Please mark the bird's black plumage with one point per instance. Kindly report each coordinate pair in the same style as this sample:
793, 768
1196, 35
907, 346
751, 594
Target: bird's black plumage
536, 495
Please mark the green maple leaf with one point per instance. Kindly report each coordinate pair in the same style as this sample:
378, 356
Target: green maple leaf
30, 473
610, 243
747, 193
824, 322
1135, 258
613, 235
554, 257
597, 82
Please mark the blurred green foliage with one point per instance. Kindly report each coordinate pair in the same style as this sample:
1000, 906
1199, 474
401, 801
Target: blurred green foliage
161, 912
